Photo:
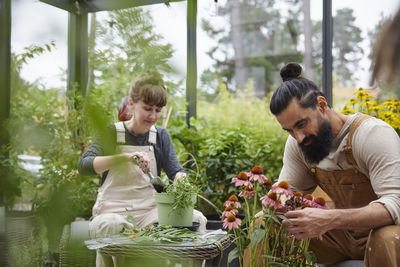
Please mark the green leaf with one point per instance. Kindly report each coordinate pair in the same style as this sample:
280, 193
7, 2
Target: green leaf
257, 236
233, 255
131, 219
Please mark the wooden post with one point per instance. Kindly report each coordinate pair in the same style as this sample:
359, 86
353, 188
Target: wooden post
327, 33
77, 54
5, 72
191, 75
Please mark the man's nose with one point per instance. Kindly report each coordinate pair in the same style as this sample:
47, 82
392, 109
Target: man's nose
299, 136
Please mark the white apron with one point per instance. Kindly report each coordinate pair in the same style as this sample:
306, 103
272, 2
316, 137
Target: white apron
126, 188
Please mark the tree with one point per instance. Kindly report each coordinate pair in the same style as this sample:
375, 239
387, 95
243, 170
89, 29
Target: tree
259, 39
241, 73
347, 51
346, 48
126, 46
308, 64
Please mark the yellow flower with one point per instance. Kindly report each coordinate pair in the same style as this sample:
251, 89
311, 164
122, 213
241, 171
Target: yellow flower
347, 111
362, 94
352, 102
375, 108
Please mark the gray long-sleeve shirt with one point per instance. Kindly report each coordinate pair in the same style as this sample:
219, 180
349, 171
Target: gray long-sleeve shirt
163, 149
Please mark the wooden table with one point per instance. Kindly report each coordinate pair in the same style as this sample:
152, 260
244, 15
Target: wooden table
156, 254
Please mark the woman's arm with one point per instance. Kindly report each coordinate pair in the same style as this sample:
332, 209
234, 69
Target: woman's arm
104, 163
169, 161
100, 156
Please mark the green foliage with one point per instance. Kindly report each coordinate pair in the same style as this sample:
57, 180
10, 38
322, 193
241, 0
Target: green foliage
182, 191
11, 176
127, 46
41, 124
30, 252
17, 83
232, 134
161, 233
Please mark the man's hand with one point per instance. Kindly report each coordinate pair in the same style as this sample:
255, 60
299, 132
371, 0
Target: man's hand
309, 222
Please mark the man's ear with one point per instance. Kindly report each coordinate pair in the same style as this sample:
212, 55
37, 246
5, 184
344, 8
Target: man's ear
322, 105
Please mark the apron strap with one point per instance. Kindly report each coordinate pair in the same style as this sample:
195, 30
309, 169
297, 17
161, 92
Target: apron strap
348, 150
153, 135
120, 132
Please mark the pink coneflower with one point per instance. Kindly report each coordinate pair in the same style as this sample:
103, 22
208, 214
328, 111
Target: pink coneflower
307, 200
290, 204
271, 200
298, 199
248, 192
282, 188
266, 185
231, 222
257, 170
229, 210
242, 179
283, 191
232, 201
319, 202
257, 174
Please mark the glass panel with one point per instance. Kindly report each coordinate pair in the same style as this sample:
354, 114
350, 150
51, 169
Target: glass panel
355, 27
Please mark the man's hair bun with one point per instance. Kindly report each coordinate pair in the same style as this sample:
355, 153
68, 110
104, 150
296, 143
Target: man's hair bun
290, 71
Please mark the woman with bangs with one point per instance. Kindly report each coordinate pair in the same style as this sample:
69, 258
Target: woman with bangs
125, 187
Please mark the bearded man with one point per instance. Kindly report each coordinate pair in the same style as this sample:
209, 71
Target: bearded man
355, 159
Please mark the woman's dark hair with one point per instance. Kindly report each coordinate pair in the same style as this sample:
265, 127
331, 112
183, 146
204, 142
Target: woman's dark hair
149, 87
294, 86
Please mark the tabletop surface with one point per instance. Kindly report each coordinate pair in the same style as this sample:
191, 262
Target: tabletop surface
207, 246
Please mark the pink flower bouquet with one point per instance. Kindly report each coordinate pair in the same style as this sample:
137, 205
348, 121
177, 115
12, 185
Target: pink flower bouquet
260, 237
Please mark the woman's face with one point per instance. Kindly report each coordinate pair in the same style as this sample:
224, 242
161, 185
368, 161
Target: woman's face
144, 116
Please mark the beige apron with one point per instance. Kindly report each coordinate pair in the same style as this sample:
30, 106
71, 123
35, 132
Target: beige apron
348, 189
127, 189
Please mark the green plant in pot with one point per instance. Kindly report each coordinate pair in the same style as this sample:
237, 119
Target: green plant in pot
175, 205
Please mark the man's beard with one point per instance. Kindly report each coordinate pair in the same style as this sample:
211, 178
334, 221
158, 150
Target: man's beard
320, 144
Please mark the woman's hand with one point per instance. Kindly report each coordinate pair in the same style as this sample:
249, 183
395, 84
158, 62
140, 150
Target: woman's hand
180, 176
141, 160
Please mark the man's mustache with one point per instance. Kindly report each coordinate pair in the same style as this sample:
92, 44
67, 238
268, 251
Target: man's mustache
307, 139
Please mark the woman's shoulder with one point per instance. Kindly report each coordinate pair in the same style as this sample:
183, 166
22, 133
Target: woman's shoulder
161, 130
162, 133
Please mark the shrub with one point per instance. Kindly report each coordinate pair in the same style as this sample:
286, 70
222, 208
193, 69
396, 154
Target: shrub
231, 134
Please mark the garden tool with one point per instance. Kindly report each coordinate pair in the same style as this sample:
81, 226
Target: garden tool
155, 181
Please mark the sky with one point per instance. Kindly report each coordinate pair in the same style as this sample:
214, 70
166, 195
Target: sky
37, 23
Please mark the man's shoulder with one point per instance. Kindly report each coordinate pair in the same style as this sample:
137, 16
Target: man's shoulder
372, 125
374, 132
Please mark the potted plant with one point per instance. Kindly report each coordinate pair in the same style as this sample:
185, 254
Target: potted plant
175, 205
